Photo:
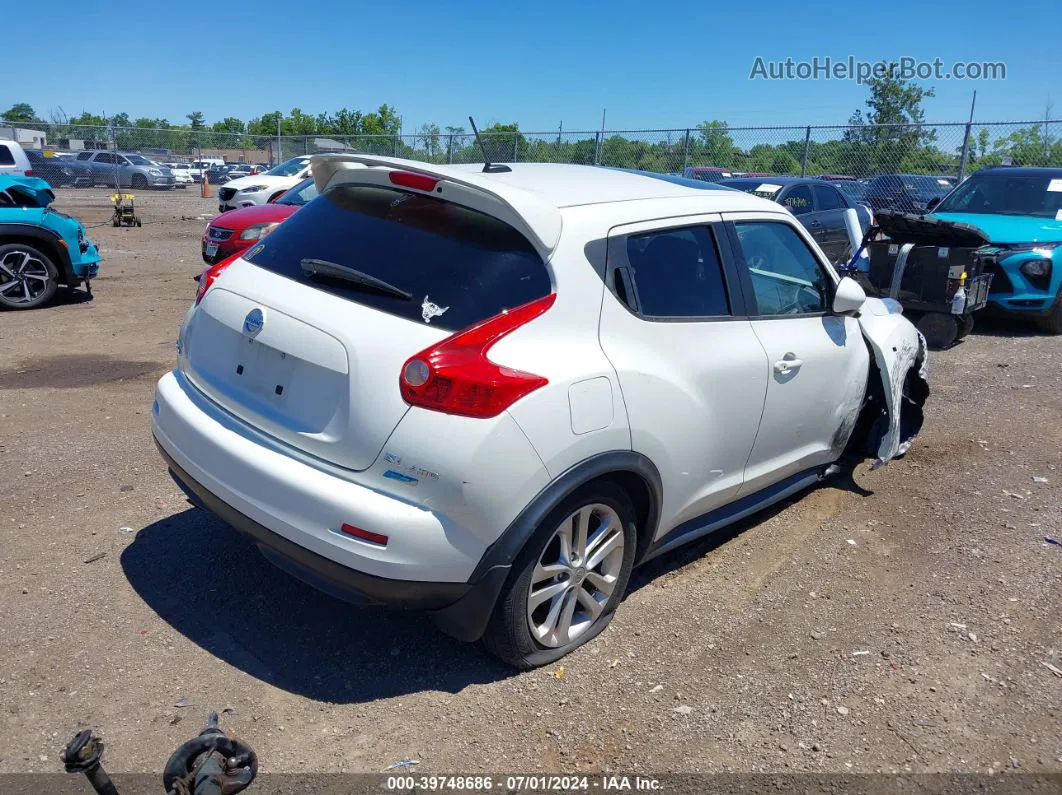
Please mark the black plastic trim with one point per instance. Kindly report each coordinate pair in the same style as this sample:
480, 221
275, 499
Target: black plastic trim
504, 551
58, 253
735, 511
459, 609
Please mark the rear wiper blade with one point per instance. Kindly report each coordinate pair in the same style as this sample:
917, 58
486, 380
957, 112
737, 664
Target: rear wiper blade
322, 267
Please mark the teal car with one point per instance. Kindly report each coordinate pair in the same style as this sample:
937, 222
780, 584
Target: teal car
40, 248
1020, 210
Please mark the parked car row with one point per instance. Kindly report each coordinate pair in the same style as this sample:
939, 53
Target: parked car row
817, 203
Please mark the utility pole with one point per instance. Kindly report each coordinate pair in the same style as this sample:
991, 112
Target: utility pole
966, 140
280, 151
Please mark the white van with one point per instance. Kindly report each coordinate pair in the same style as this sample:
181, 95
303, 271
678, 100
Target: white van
198, 167
13, 161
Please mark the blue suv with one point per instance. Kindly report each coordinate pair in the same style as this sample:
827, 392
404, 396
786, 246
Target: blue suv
1020, 210
40, 248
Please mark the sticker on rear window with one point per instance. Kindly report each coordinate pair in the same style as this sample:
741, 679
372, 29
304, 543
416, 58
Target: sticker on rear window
767, 187
428, 310
1055, 186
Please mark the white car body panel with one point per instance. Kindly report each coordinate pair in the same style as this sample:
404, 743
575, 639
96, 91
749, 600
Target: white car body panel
21, 163
270, 187
898, 347
717, 427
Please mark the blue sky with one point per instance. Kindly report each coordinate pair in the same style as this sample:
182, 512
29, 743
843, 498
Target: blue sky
651, 65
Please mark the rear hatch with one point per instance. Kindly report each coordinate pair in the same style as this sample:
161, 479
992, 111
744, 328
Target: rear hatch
305, 338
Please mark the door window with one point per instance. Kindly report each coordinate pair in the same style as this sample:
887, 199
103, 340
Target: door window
798, 200
6, 158
676, 273
786, 277
105, 157
828, 198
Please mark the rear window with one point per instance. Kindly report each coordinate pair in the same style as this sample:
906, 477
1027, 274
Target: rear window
459, 266
6, 158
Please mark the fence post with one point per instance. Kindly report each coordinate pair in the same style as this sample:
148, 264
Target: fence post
804, 157
965, 151
597, 148
516, 148
686, 152
396, 146
450, 149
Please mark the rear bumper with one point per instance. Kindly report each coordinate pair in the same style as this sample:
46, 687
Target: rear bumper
293, 510
459, 609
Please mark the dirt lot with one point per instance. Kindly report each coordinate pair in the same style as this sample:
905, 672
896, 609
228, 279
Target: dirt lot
901, 619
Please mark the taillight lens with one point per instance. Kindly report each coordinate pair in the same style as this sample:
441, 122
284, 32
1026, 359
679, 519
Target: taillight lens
456, 377
29, 172
210, 275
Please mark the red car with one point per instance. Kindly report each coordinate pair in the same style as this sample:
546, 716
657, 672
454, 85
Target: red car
236, 230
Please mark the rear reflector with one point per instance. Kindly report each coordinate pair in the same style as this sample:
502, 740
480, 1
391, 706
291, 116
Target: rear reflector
408, 179
456, 377
364, 535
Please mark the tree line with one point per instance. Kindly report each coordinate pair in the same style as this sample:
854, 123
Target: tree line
888, 135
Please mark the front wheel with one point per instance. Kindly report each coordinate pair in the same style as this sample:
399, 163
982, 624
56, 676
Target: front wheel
28, 278
568, 580
139, 182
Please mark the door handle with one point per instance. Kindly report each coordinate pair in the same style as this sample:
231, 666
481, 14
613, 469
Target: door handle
816, 223
788, 364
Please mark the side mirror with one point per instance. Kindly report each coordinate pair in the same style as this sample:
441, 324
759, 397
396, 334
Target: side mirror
932, 203
849, 297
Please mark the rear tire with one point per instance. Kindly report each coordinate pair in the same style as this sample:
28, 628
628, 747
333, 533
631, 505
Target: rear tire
28, 279
139, 182
568, 580
1051, 323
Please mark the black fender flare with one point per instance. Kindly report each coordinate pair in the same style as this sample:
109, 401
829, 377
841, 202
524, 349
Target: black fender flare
50, 244
619, 462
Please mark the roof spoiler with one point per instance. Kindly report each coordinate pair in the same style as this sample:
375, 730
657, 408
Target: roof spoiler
539, 220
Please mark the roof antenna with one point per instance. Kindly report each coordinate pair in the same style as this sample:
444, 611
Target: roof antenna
488, 167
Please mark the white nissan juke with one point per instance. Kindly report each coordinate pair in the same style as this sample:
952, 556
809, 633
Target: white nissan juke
488, 392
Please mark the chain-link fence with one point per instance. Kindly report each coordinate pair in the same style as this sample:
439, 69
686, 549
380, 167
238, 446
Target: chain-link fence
708, 151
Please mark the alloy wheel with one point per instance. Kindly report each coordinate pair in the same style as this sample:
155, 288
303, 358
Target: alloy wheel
23, 276
575, 575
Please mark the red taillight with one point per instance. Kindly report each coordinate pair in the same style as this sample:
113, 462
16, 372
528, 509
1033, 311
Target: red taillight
409, 179
364, 535
456, 377
29, 172
210, 275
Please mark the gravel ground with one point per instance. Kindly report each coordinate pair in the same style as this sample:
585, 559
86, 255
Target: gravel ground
898, 620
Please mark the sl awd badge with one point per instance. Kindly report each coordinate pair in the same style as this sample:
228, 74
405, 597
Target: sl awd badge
254, 322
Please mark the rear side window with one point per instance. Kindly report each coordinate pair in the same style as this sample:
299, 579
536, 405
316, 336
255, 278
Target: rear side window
84, 155
828, 198
6, 158
798, 200
457, 265
677, 274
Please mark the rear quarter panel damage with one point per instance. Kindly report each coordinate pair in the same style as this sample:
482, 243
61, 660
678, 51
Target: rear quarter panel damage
899, 349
